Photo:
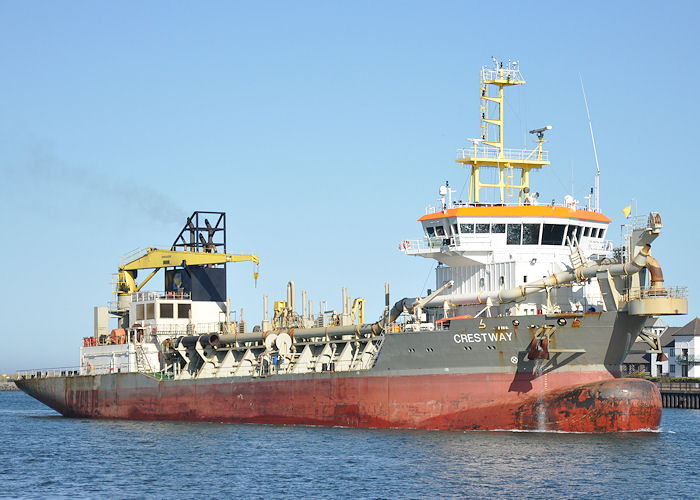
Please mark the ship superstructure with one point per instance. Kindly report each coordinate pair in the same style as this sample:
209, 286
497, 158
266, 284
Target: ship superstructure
512, 238
533, 312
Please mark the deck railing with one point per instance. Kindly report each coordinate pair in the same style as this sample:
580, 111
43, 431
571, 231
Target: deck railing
489, 153
676, 292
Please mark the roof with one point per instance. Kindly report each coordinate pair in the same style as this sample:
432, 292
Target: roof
638, 357
519, 211
690, 329
652, 322
667, 337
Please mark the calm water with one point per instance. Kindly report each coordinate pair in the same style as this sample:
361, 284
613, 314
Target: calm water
45, 455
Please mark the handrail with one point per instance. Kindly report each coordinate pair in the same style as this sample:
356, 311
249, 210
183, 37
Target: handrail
490, 153
147, 296
431, 209
677, 292
688, 359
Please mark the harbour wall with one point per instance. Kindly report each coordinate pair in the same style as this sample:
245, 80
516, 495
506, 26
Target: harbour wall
680, 394
8, 386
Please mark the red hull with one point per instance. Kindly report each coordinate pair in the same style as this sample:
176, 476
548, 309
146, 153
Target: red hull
568, 401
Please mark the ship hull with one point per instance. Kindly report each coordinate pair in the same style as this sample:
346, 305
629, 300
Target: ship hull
465, 377
559, 401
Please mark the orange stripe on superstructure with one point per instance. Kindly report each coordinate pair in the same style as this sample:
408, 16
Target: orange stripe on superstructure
520, 211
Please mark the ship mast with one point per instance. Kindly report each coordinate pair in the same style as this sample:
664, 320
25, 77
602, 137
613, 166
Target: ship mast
488, 151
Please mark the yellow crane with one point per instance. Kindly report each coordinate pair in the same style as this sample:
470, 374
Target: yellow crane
199, 251
156, 259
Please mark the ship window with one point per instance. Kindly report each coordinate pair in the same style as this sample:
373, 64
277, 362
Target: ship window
466, 228
183, 311
150, 311
587, 231
166, 310
503, 281
483, 228
594, 232
531, 234
439, 230
513, 234
454, 229
139, 311
498, 228
578, 233
553, 234
481, 283
430, 231
601, 233
570, 233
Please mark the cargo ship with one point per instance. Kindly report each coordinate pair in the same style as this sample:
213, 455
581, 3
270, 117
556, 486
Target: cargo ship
532, 313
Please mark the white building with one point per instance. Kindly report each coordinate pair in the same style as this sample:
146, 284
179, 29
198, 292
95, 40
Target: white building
684, 350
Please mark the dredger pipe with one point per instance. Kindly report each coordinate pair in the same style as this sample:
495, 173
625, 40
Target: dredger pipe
640, 261
303, 333
205, 340
655, 273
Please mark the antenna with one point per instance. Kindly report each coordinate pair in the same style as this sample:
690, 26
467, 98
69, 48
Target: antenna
595, 151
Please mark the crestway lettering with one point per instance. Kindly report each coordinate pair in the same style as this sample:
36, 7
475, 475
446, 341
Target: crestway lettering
482, 337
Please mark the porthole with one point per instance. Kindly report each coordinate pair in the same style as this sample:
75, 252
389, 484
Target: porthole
561, 321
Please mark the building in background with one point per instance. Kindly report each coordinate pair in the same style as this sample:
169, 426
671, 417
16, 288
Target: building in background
639, 360
683, 350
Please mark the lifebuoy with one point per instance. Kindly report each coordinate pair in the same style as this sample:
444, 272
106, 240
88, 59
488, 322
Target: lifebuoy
406, 244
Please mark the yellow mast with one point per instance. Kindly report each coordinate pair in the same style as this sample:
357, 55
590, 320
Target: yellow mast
490, 153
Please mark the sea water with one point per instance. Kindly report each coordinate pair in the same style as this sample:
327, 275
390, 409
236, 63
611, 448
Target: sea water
45, 455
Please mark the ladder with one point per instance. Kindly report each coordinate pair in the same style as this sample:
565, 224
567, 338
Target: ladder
577, 257
142, 364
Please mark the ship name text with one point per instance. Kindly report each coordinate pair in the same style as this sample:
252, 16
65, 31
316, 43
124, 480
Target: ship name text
468, 338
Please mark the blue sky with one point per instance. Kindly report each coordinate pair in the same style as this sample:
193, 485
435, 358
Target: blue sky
323, 130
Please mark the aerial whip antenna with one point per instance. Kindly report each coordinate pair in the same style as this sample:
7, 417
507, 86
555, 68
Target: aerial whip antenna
595, 151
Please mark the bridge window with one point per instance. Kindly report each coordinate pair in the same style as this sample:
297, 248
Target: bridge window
166, 310
587, 231
150, 311
430, 231
183, 311
570, 234
601, 233
594, 232
139, 311
531, 234
498, 228
513, 234
578, 233
466, 228
454, 229
439, 230
553, 234
483, 228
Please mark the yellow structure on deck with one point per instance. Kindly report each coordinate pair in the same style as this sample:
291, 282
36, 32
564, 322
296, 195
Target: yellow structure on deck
488, 151
155, 259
